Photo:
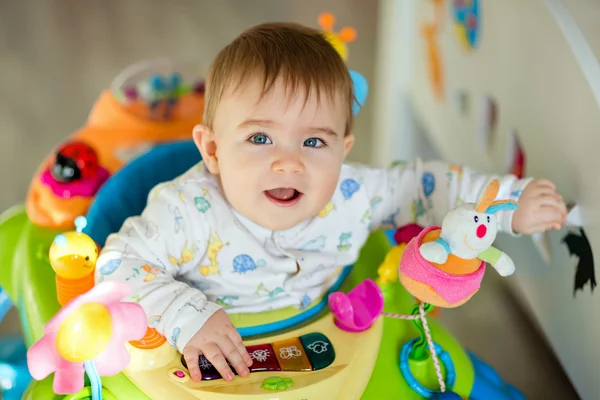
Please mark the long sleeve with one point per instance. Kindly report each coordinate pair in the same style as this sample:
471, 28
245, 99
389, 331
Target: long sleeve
152, 250
424, 192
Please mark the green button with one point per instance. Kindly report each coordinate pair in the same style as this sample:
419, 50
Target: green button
318, 349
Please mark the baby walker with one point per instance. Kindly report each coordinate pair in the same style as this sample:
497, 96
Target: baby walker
369, 337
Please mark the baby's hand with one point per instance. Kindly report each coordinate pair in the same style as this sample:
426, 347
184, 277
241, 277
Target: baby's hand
541, 208
218, 341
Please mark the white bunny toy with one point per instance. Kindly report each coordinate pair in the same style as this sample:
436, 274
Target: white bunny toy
469, 230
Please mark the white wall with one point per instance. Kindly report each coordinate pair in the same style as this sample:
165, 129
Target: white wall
397, 135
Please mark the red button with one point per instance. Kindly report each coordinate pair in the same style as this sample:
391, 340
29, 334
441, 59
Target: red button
263, 358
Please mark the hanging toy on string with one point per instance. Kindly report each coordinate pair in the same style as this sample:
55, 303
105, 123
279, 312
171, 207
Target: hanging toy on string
440, 267
444, 267
73, 257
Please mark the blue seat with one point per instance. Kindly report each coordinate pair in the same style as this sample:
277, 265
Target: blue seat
125, 194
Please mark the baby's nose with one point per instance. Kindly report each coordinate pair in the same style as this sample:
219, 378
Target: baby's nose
288, 163
481, 231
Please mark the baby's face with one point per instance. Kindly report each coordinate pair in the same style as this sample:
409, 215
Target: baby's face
278, 158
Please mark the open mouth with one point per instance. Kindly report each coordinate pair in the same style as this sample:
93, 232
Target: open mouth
284, 197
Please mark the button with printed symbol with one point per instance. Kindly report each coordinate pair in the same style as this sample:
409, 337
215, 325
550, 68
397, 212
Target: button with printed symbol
263, 358
319, 350
291, 355
208, 371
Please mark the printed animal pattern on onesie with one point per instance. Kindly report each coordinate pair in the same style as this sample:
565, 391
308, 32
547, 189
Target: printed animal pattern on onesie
174, 337
262, 290
111, 266
179, 187
158, 189
226, 301
203, 202
418, 209
326, 210
349, 187
154, 320
515, 194
244, 263
151, 231
455, 171
390, 221
151, 272
188, 253
428, 183
178, 224
344, 239
214, 247
316, 244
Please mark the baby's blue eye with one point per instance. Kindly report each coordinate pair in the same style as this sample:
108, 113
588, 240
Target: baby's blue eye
260, 138
314, 142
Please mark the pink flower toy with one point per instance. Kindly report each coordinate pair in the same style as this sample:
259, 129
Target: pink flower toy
88, 335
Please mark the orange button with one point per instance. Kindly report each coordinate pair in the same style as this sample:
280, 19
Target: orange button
291, 356
151, 340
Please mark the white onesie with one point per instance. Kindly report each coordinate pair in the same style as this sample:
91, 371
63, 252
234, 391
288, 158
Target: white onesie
190, 253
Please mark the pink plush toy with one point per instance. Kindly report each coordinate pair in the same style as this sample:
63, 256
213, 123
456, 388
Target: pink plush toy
444, 267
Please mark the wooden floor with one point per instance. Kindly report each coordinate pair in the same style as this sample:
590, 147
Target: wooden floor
56, 57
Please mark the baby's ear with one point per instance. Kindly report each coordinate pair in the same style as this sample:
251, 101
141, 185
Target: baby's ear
348, 143
204, 138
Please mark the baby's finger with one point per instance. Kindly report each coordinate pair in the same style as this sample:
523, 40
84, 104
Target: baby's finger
237, 342
191, 356
545, 183
553, 200
543, 191
550, 216
213, 353
233, 355
542, 227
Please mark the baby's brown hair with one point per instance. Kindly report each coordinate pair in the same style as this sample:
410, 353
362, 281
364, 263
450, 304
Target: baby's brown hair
301, 56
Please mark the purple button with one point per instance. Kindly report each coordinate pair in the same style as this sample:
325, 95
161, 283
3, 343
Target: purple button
209, 372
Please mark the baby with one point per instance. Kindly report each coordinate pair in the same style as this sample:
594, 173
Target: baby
272, 212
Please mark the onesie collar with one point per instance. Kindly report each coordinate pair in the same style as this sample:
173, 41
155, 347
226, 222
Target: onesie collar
260, 232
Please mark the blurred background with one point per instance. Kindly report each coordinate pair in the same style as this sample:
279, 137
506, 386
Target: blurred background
57, 56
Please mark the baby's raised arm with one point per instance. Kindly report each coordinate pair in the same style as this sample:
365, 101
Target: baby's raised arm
167, 241
424, 192
150, 251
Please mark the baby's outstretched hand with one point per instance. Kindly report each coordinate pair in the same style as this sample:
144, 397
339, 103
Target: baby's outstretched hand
218, 341
541, 208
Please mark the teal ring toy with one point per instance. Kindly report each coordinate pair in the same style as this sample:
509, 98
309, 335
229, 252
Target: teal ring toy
444, 357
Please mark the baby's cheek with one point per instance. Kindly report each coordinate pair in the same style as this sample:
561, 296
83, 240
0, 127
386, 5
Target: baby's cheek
326, 185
